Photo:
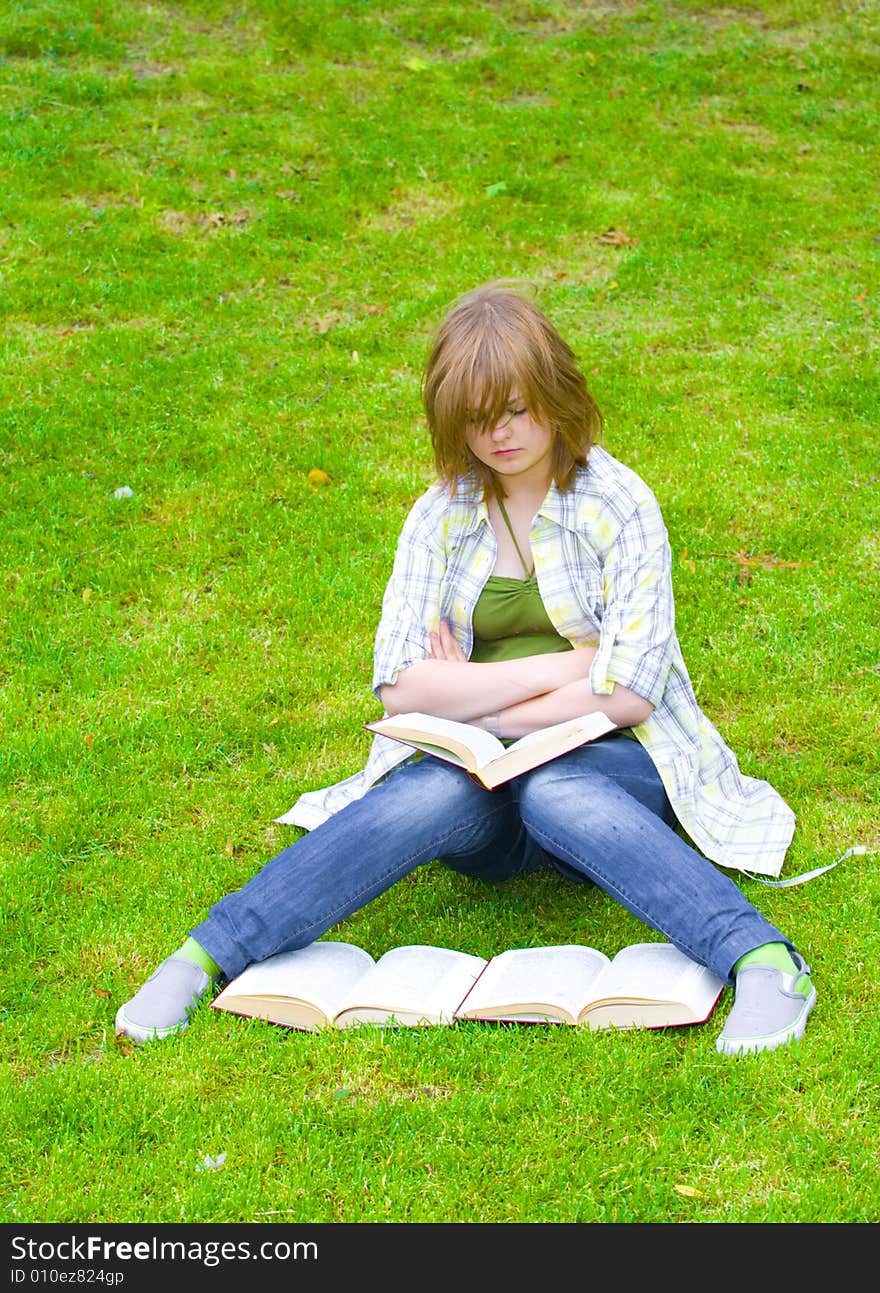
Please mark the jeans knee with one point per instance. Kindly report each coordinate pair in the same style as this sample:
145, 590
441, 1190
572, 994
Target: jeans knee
552, 793
611, 776
435, 777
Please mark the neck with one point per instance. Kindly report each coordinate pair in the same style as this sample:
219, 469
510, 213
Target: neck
524, 493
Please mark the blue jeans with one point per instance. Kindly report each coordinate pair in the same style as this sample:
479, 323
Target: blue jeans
598, 813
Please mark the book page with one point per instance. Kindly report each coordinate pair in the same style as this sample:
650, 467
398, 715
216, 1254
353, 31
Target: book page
322, 974
658, 972
542, 746
534, 982
439, 752
589, 727
414, 984
645, 1014
424, 730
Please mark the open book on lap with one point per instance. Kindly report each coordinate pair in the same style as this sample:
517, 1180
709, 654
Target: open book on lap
481, 754
329, 984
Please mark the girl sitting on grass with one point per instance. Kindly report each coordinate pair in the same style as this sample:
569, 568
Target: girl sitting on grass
531, 585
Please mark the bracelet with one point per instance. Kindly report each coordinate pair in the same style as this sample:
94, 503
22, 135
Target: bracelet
492, 724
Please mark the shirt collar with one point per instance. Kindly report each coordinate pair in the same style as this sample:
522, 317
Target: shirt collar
562, 507
467, 506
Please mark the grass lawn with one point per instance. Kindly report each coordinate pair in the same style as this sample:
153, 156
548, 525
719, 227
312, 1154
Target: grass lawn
227, 230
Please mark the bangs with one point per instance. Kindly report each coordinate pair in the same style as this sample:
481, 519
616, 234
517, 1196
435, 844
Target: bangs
477, 384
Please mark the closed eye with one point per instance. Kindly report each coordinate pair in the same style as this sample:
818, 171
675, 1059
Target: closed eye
509, 413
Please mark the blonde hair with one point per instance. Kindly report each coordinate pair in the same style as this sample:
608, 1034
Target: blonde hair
493, 343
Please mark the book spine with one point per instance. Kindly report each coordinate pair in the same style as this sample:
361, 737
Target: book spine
478, 780
470, 990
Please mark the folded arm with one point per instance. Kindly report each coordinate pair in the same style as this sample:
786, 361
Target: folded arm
527, 693
450, 686
622, 706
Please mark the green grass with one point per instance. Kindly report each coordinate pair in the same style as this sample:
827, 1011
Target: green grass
226, 232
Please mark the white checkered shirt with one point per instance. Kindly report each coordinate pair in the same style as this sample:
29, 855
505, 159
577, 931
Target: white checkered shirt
602, 561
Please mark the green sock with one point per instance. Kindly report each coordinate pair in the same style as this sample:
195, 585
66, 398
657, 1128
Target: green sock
777, 955
193, 951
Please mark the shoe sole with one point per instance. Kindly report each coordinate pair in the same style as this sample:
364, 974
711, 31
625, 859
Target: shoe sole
135, 1033
751, 1045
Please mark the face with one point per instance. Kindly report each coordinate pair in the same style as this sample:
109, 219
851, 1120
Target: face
518, 448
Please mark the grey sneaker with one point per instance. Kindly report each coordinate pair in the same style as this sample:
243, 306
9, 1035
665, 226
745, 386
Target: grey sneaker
163, 1005
768, 1010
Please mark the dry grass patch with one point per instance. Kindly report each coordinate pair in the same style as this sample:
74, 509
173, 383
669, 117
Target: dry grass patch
182, 222
415, 205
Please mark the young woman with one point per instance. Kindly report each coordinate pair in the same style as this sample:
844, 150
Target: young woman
531, 585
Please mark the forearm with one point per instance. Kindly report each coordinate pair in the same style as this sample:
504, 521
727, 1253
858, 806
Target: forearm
573, 700
466, 691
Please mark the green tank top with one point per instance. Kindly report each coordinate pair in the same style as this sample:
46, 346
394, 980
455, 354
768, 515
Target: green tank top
510, 621
509, 617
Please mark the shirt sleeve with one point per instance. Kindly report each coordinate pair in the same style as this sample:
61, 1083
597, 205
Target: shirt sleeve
411, 604
638, 626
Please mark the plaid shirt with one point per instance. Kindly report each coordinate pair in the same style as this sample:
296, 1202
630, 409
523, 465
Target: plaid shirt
603, 564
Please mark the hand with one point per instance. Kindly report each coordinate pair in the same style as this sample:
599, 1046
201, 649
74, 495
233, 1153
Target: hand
445, 647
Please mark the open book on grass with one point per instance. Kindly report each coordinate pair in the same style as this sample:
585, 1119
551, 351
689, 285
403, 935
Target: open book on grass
480, 753
328, 984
